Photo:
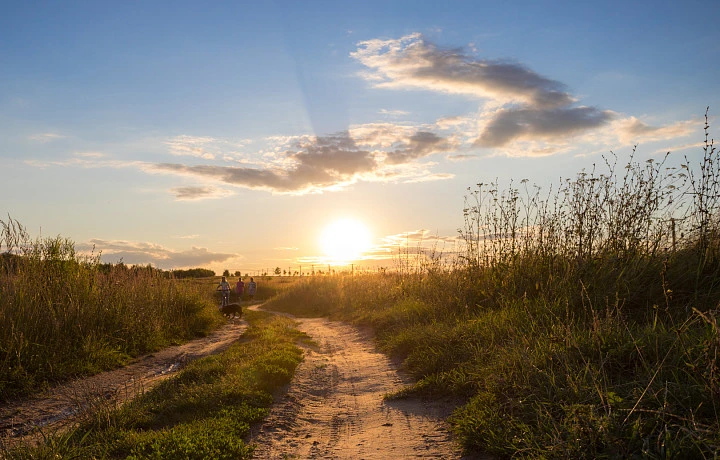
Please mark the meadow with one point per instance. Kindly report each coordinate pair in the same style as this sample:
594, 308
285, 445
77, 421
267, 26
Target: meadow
204, 412
578, 323
66, 315
575, 322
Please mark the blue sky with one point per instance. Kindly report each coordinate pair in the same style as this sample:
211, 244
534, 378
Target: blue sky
230, 134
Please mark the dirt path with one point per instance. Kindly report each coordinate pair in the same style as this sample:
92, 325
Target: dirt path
334, 406
66, 403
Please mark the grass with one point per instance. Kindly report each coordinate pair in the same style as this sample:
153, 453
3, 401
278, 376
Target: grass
68, 315
204, 412
578, 323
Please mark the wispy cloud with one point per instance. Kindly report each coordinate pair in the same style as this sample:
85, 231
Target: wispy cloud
46, 137
142, 253
207, 148
312, 164
522, 112
413, 62
394, 113
633, 130
199, 192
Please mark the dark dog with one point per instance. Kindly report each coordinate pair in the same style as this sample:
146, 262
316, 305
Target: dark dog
231, 309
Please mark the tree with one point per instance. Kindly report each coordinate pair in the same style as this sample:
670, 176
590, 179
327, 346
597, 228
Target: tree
226, 272
237, 272
277, 270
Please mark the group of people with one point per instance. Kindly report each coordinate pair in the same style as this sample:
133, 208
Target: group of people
224, 287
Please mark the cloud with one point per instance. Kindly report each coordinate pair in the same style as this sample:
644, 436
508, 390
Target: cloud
190, 146
139, 253
394, 113
519, 104
199, 193
312, 164
46, 137
418, 145
461, 157
412, 62
507, 125
327, 162
207, 148
632, 130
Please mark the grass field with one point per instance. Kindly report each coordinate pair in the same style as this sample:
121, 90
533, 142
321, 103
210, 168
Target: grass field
204, 412
582, 323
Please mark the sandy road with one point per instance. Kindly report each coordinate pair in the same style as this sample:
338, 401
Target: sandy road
64, 404
334, 406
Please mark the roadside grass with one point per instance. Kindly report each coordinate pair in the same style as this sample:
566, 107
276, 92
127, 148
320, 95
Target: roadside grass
203, 412
66, 315
582, 323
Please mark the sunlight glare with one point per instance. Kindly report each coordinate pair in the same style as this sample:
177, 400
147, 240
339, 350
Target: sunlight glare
345, 240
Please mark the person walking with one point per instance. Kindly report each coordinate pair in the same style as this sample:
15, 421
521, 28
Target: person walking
240, 288
252, 288
224, 287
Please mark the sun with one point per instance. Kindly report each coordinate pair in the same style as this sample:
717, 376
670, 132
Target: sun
345, 240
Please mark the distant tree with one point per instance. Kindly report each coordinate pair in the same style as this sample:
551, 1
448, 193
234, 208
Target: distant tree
284, 272
226, 272
277, 270
237, 272
193, 273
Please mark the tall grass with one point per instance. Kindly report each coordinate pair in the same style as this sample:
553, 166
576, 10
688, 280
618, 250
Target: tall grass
204, 412
66, 315
578, 322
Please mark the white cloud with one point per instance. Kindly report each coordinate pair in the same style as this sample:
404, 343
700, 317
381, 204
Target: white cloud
394, 113
632, 130
310, 164
411, 62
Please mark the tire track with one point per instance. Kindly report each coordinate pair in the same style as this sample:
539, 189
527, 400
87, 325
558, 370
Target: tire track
334, 406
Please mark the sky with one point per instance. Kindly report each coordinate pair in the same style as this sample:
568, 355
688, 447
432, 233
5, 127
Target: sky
237, 135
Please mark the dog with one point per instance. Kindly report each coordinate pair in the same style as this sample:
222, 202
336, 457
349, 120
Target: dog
231, 309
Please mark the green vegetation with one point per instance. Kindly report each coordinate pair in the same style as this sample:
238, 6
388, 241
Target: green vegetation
583, 323
65, 315
193, 273
204, 412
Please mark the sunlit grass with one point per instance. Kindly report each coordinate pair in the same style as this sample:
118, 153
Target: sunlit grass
581, 323
65, 315
204, 412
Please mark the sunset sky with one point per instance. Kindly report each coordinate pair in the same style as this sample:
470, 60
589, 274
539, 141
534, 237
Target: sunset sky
233, 134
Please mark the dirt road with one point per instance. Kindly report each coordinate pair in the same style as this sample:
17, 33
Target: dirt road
65, 403
334, 407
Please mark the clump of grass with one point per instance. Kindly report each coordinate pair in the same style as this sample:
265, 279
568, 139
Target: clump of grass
204, 412
69, 315
579, 322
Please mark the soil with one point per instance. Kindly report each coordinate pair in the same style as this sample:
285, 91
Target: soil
333, 408
62, 405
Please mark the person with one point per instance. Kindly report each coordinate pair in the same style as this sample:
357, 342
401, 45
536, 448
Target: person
240, 288
252, 288
224, 286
